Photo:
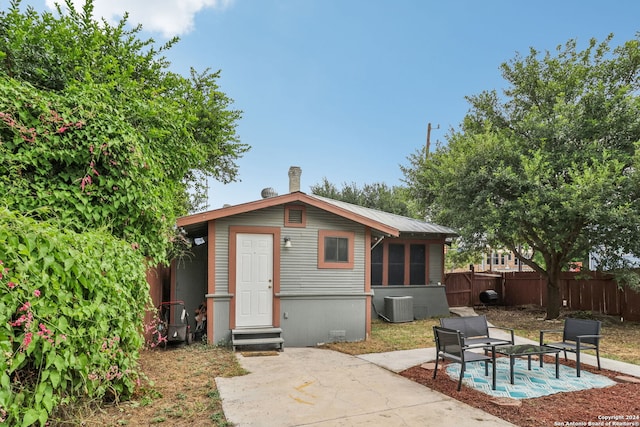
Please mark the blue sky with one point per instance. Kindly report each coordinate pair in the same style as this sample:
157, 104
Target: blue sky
345, 89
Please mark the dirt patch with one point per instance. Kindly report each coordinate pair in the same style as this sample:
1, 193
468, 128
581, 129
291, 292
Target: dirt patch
179, 390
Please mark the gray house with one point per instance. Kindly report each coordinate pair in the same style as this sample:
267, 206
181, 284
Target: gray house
303, 269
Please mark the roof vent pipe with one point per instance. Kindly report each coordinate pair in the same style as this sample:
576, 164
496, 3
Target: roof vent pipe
294, 178
268, 192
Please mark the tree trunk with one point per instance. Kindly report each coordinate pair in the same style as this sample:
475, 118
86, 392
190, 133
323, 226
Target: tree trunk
553, 292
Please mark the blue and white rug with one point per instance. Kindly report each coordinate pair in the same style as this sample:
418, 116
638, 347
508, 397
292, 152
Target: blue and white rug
527, 384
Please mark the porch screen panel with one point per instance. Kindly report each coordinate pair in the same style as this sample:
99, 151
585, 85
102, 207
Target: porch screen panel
396, 265
435, 264
376, 265
417, 266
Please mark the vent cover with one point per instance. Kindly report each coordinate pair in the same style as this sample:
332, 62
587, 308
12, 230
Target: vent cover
399, 309
295, 216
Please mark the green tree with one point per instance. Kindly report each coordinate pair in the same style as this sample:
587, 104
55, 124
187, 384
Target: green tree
376, 196
97, 132
552, 164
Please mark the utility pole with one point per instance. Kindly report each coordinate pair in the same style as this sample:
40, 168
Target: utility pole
429, 138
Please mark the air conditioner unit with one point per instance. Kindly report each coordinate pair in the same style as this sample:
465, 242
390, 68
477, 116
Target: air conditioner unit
399, 309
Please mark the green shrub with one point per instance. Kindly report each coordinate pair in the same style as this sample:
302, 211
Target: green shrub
71, 317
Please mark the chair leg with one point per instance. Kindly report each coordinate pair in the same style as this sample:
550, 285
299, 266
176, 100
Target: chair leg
578, 359
461, 375
598, 356
435, 371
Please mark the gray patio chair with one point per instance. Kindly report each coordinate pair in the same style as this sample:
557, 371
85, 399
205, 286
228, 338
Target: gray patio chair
476, 329
450, 346
577, 335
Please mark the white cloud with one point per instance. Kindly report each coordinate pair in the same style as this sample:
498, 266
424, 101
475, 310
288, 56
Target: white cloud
168, 17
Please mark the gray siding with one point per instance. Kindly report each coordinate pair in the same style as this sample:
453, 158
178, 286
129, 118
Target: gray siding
321, 305
299, 264
317, 305
270, 217
428, 301
312, 321
221, 328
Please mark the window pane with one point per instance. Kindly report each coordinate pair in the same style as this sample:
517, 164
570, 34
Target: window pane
336, 249
396, 265
343, 249
376, 265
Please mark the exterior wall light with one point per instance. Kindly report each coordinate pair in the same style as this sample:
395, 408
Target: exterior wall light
287, 242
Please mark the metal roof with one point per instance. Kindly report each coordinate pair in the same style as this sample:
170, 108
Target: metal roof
384, 222
402, 223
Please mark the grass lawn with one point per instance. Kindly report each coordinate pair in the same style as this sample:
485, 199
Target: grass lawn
619, 342
180, 387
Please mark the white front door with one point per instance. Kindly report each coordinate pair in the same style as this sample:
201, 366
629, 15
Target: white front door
254, 280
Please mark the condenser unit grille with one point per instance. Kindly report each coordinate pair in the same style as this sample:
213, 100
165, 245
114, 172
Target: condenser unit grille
399, 309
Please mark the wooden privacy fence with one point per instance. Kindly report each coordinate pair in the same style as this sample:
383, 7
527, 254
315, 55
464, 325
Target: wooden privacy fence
463, 289
578, 291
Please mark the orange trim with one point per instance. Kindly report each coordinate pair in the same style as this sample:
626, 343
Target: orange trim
303, 213
385, 263
233, 232
407, 258
283, 200
211, 276
349, 235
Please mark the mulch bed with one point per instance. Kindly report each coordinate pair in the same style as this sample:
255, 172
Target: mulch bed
618, 405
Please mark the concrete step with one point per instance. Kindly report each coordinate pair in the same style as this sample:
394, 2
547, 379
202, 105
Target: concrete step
257, 337
255, 331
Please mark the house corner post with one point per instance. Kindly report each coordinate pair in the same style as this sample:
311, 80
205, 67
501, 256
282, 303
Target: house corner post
367, 283
211, 279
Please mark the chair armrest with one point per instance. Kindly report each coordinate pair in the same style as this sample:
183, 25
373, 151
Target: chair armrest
580, 337
543, 331
500, 327
505, 329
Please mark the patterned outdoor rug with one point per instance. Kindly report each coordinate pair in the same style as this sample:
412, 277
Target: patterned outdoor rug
527, 384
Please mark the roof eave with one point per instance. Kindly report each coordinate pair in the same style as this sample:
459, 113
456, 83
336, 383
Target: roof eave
297, 196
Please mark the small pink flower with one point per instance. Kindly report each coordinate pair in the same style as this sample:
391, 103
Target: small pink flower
11, 285
22, 319
27, 339
25, 307
36, 293
84, 182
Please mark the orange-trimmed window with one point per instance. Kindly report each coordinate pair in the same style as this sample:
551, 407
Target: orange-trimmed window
295, 216
335, 249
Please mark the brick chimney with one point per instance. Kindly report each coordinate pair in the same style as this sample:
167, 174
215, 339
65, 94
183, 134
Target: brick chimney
294, 178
